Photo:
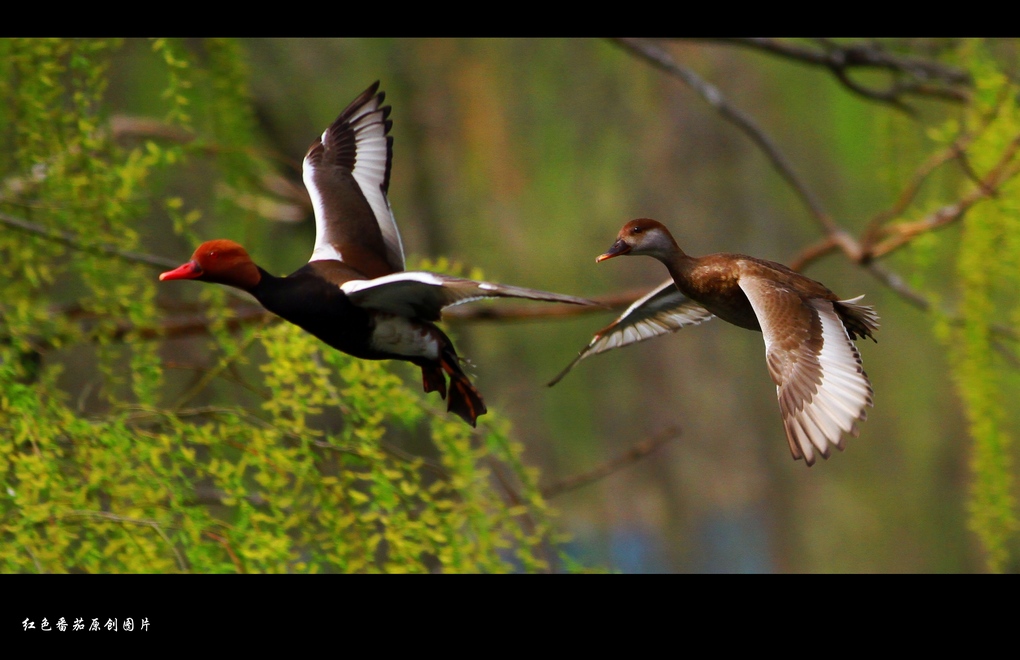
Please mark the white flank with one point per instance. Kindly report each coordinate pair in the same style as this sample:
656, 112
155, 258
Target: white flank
396, 334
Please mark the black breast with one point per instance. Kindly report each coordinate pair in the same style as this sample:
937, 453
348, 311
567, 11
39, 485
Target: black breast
311, 299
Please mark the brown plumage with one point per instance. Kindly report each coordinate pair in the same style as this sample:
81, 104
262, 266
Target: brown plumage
822, 388
354, 294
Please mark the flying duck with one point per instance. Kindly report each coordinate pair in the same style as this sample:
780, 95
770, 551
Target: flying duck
822, 388
354, 293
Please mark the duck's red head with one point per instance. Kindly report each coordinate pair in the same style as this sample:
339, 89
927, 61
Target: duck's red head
641, 236
220, 261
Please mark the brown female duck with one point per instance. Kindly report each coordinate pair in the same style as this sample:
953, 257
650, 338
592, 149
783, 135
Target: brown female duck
354, 294
822, 388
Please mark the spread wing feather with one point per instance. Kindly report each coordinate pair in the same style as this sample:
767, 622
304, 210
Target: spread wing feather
820, 382
347, 174
661, 311
424, 295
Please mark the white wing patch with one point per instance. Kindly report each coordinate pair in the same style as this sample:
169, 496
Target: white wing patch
323, 249
368, 125
369, 171
842, 395
422, 294
397, 293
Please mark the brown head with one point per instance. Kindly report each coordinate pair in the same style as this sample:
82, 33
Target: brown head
220, 261
642, 236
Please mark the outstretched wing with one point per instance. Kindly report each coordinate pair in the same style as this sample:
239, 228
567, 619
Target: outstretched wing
662, 310
423, 295
822, 388
347, 173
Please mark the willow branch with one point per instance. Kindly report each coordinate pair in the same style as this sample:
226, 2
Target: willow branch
225, 544
127, 127
296, 205
902, 233
124, 520
911, 189
74, 242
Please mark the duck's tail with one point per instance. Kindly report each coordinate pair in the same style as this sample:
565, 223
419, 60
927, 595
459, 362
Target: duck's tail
860, 320
463, 398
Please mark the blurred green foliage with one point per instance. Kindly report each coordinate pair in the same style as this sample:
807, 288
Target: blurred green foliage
988, 275
143, 480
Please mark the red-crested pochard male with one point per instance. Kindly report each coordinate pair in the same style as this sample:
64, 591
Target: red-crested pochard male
354, 293
822, 388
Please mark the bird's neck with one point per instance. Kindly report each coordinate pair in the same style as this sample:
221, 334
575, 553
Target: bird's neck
679, 263
265, 285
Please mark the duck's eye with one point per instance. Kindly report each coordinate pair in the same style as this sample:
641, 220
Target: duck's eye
635, 230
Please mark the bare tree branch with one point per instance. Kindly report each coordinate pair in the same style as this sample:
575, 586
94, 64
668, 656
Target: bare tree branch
902, 233
912, 75
812, 253
635, 453
911, 189
662, 59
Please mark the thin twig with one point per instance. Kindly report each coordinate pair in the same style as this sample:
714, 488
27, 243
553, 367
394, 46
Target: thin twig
226, 546
812, 253
898, 285
77, 243
910, 191
635, 453
902, 233
131, 521
212, 373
